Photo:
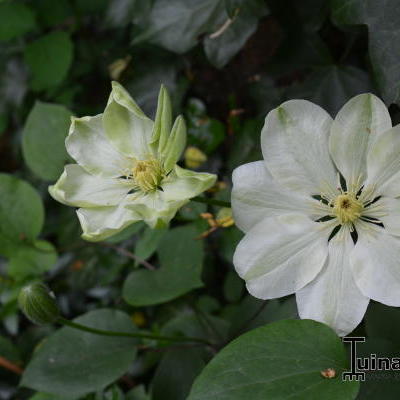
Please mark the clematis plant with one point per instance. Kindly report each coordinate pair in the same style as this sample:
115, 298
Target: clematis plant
126, 167
321, 212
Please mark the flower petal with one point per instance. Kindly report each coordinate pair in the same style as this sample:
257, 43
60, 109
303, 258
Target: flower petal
90, 148
333, 297
383, 163
256, 195
386, 210
361, 118
280, 255
375, 264
77, 188
153, 209
294, 143
125, 125
102, 222
183, 184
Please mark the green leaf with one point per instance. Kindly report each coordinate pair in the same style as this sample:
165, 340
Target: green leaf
46, 128
49, 59
148, 242
382, 21
278, 361
176, 372
177, 24
16, 19
21, 214
230, 33
32, 260
331, 87
181, 259
137, 393
233, 287
48, 396
60, 10
73, 363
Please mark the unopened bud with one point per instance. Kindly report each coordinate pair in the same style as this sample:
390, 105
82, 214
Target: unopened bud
38, 304
194, 157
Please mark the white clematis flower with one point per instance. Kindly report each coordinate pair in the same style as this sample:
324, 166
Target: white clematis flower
126, 167
321, 213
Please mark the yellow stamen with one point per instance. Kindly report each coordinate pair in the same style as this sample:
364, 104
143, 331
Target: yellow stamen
347, 208
147, 174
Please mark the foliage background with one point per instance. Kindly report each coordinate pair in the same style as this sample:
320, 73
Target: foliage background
56, 60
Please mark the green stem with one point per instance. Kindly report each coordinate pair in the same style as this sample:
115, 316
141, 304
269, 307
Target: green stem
85, 328
212, 202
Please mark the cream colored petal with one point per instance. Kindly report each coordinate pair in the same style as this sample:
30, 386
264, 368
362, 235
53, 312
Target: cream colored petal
280, 255
256, 195
294, 143
375, 264
360, 119
89, 147
333, 297
77, 188
183, 184
102, 222
125, 125
383, 163
386, 210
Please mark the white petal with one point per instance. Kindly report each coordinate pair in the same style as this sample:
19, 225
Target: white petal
256, 195
280, 255
77, 188
183, 184
383, 163
88, 146
387, 210
376, 264
102, 222
361, 118
153, 209
125, 125
333, 297
294, 143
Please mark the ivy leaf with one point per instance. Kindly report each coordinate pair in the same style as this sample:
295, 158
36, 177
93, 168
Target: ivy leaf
281, 360
46, 128
331, 87
181, 259
382, 21
21, 214
49, 59
16, 19
231, 32
74, 363
177, 24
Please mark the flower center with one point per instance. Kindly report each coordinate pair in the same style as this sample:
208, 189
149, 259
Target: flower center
147, 174
347, 208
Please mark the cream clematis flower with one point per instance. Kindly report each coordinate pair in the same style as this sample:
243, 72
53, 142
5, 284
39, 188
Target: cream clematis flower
321, 213
126, 167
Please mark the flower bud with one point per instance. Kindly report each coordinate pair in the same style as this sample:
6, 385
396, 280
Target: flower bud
194, 157
38, 304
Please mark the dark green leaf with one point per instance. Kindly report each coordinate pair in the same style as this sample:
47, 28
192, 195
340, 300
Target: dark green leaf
382, 20
176, 373
74, 363
16, 19
280, 360
49, 59
181, 259
21, 214
177, 24
32, 260
148, 242
331, 87
46, 128
231, 32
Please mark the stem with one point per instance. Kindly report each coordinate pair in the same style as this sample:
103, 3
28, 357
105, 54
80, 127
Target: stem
212, 202
85, 328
